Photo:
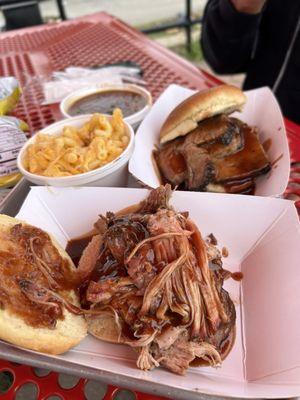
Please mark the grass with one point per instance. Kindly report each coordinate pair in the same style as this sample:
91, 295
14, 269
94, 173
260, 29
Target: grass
154, 24
195, 55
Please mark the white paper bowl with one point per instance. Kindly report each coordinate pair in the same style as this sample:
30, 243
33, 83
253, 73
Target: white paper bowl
262, 236
134, 120
114, 173
261, 110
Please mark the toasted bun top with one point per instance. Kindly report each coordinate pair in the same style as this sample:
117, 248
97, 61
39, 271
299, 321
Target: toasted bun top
13, 329
223, 99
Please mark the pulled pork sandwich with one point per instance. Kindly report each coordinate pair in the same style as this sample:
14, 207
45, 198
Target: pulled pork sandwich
203, 149
39, 306
153, 283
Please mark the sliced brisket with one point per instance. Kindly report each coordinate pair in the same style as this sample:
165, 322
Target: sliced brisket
171, 162
222, 154
220, 127
251, 161
200, 170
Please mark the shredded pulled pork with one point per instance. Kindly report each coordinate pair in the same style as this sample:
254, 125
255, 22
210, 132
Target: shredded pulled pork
164, 281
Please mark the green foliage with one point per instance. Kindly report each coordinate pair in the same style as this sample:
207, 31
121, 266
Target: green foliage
194, 55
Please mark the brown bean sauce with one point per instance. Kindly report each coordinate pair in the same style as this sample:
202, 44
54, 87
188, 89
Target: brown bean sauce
105, 103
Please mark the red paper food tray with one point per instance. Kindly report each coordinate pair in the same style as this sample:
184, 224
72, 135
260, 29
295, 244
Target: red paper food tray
94, 40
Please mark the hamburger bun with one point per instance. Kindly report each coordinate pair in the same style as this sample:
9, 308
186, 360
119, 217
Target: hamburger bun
223, 99
104, 327
67, 333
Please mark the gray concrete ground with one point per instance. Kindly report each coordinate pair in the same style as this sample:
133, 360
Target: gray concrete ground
134, 12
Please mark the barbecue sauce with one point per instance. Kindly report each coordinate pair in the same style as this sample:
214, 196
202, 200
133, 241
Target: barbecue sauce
251, 161
121, 236
276, 160
76, 246
120, 239
243, 186
107, 267
267, 144
127, 332
176, 163
25, 252
237, 276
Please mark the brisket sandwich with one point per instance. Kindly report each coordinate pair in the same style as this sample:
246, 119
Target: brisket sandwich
202, 148
152, 282
39, 306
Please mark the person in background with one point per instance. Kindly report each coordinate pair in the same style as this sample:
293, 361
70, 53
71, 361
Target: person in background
260, 38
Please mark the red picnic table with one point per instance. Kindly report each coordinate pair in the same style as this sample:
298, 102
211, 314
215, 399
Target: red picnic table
88, 41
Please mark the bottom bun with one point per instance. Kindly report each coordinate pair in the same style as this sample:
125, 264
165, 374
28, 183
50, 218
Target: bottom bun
67, 333
104, 327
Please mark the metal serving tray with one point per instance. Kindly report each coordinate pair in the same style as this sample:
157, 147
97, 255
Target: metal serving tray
13, 201
11, 206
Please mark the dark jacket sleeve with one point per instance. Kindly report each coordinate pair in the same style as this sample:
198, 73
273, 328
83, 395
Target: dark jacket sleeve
228, 37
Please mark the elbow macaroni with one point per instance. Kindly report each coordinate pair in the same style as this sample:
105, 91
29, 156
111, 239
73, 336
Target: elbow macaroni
78, 150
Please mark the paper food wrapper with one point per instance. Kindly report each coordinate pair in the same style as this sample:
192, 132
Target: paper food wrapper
72, 79
12, 138
262, 236
261, 110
